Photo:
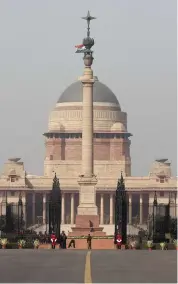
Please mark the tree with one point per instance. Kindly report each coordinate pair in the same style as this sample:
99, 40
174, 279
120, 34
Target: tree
173, 228
12, 224
9, 219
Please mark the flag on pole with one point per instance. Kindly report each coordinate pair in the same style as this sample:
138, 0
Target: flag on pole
80, 48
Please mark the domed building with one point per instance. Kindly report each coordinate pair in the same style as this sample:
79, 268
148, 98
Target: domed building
63, 144
90, 109
64, 137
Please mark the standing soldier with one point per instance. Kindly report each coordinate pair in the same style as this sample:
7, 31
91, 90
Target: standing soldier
63, 240
53, 240
119, 241
89, 238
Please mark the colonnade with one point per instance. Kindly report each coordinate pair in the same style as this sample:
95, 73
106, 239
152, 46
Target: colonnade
138, 209
101, 208
63, 212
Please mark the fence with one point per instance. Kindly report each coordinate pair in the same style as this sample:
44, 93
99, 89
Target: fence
139, 217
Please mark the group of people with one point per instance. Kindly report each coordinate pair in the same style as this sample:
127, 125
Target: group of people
63, 241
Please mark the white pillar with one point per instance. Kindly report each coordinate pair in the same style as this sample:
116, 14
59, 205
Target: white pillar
141, 209
24, 208
4, 201
172, 201
33, 209
87, 123
63, 209
130, 208
101, 209
111, 209
87, 180
0, 206
44, 208
72, 209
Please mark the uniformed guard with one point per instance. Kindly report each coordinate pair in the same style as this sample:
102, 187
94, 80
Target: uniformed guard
63, 240
53, 240
89, 239
119, 241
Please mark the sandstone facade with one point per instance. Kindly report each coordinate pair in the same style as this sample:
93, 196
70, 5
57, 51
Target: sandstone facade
63, 143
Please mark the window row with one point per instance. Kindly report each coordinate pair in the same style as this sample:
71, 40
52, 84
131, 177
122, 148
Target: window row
95, 135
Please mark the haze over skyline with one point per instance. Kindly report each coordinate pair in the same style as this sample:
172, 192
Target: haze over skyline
135, 56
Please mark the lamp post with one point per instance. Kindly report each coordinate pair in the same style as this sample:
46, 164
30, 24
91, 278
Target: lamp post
155, 204
120, 212
55, 208
20, 213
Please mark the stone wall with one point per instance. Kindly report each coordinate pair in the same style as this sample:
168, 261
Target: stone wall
71, 149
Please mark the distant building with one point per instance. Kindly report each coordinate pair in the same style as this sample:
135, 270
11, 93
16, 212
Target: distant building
63, 143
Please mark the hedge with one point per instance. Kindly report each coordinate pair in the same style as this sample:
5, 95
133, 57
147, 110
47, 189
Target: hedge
28, 245
94, 237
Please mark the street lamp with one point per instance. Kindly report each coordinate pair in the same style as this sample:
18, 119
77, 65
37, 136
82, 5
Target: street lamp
155, 204
20, 213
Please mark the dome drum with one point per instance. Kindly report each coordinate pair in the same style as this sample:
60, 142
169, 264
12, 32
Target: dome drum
111, 142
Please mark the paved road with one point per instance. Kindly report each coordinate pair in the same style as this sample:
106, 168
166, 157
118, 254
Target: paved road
134, 266
79, 266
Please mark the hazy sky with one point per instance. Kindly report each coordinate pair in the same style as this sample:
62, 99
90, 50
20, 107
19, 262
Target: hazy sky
135, 55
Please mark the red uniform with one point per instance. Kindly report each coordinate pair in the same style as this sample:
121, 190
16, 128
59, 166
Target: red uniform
53, 240
119, 240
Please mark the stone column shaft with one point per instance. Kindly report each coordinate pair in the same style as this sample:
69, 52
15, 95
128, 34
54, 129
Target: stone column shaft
87, 120
130, 209
141, 209
33, 208
111, 209
87, 180
72, 208
0, 207
102, 209
24, 208
44, 208
63, 209
4, 201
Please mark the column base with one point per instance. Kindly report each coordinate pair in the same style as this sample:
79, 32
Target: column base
87, 210
87, 224
89, 221
87, 204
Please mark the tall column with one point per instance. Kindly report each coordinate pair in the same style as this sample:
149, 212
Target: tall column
141, 209
130, 208
24, 209
101, 209
33, 209
0, 207
63, 209
87, 119
172, 202
4, 202
111, 209
87, 180
72, 209
176, 204
87, 130
44, 208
